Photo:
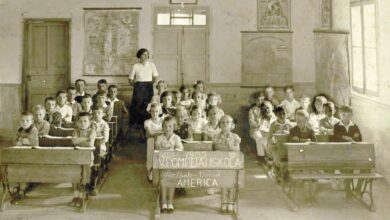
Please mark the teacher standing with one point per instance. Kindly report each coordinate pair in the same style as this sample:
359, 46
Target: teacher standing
142, 77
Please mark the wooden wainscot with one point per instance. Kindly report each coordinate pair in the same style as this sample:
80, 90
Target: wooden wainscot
198, 169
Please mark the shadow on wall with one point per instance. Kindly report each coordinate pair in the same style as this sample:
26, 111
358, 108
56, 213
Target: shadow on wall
375, 129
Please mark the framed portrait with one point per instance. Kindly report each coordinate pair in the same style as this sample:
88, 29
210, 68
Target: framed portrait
274, 15
326, 14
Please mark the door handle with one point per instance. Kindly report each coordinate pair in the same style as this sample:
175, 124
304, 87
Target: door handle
28, 77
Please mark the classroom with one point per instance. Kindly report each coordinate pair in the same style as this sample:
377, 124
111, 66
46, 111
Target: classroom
194, 109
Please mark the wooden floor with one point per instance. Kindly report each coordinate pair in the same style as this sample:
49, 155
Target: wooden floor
127, 195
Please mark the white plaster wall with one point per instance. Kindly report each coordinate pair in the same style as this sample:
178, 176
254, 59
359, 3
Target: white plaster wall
228, 17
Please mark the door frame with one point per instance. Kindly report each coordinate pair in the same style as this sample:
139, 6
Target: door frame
206, 27
25, 23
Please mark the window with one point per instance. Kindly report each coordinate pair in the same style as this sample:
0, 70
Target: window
364, 47
181, 17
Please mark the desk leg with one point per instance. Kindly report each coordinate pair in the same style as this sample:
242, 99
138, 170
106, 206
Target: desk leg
292, 195
157, 212
372, 205
84, 201
236, 196
359, 194
4, 196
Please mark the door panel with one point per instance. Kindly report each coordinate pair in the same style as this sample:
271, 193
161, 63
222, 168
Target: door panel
37, 49
166, 54
194, 55
194, 68
46, 69
58, 49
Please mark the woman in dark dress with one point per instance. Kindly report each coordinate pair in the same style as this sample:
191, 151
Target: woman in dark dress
142, 77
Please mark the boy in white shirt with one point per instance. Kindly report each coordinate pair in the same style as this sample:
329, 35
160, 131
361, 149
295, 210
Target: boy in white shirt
76, 107
65, 110
290, 103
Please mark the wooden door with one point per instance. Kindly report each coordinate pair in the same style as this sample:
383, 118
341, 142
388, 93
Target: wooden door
181, 44
194, 55
46, 60
167, 56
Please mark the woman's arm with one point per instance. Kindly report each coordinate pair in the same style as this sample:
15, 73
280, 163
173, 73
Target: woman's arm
132, 75
131, 82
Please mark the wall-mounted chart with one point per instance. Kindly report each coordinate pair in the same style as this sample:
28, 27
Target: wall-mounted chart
111, 41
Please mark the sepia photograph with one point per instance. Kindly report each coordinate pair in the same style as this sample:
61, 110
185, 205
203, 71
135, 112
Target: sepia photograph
194, 109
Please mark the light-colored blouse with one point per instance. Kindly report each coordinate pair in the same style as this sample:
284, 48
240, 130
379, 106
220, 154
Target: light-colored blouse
143, 72
196, 126
210, 131
154, 127
173, 143
226, 142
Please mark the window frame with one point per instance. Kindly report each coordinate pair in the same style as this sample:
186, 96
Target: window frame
364, 90
174, 9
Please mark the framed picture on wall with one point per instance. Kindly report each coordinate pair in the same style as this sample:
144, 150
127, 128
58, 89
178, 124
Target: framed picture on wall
274, 15
185, 2
326, 14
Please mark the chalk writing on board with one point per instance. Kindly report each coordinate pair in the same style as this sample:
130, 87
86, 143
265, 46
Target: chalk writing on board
199, 160
198, 178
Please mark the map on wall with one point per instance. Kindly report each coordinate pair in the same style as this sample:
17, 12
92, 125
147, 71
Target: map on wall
273, 14
332, 66
111, 41
266, 59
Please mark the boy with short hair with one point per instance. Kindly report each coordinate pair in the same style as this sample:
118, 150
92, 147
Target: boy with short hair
52, 115
100, 101
302, 131
304, 102
290, 103
345, 130
327, 123
76, 107
40, 123
27, 134
86, 104
281, 125
119, 107
269, 93
80, 89
62, 107
84, 137
101, 87
102, 128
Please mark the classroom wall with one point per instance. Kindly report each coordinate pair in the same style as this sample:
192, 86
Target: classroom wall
372, 113
228, 19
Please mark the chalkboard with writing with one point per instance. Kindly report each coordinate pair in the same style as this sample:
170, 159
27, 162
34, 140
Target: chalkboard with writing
208, 160
201, 178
